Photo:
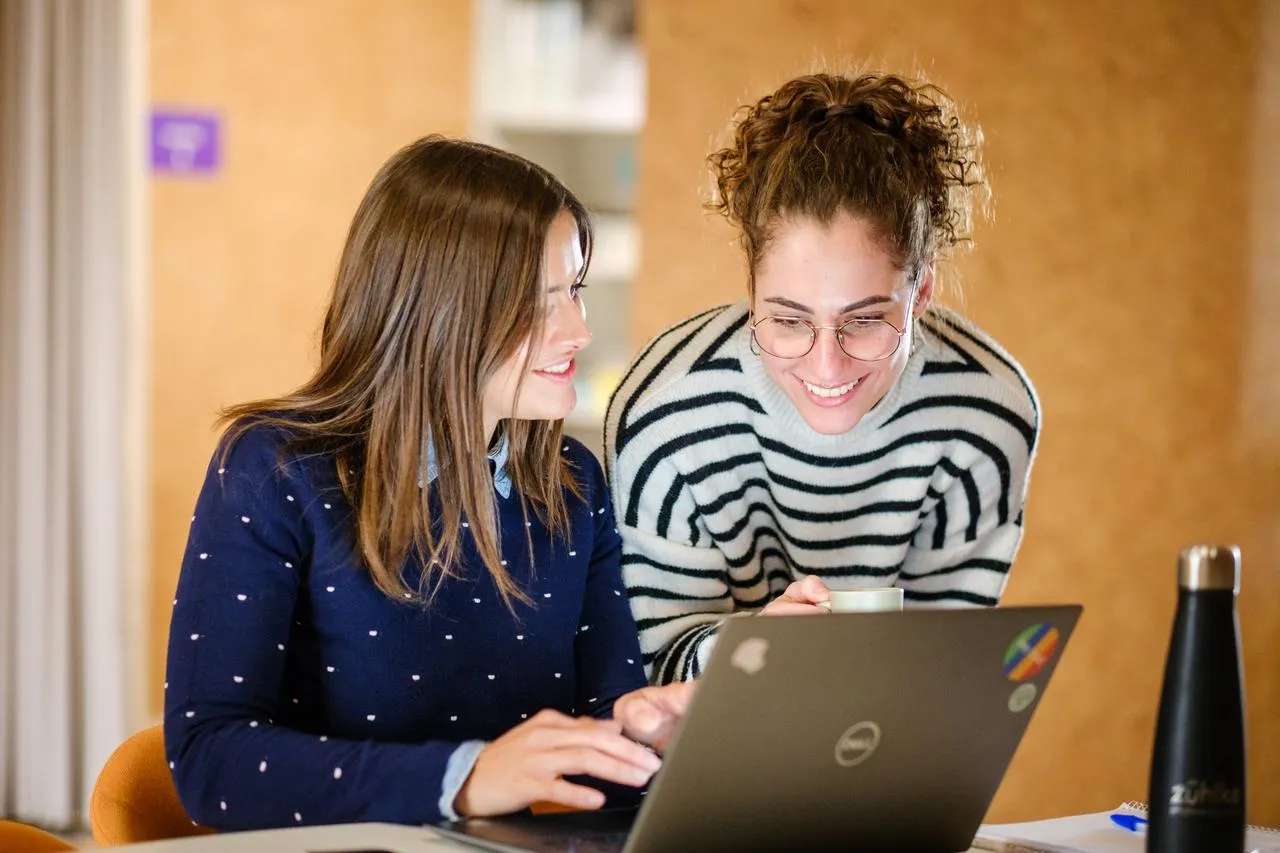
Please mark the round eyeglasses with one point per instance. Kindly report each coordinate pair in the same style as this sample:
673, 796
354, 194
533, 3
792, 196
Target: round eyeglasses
794, 337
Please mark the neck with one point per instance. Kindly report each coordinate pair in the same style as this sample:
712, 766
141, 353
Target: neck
491, 427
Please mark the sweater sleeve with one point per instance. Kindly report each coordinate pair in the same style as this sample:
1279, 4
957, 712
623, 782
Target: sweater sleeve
606, 648
965, 545
679, 591
239, 588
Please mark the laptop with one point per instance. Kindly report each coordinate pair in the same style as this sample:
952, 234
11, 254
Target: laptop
860, 731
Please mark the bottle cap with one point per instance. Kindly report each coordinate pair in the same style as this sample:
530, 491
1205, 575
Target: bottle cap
1209, 567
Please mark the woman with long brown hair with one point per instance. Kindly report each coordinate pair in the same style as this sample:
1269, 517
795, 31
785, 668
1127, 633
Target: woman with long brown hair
400, 598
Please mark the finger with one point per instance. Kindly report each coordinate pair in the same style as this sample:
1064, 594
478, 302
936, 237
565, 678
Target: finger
638, 713
606, 742
648, 708
622, 748
550, 733
810, 589
593, 762
568, 794
551, 718
653, 725
783, 607
675, 697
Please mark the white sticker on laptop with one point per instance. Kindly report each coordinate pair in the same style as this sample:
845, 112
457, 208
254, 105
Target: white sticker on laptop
749, 655
1022, 697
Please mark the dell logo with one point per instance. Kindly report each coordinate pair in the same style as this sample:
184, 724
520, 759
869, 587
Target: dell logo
857, 744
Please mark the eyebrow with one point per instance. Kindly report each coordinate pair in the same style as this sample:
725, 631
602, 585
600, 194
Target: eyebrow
851, 307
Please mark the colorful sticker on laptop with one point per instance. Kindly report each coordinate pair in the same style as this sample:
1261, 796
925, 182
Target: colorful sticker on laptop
1030, 651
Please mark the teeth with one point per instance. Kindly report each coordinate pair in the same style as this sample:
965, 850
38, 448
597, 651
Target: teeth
557, 368
819, 391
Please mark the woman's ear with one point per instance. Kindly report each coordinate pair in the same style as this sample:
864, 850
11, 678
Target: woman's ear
924, 290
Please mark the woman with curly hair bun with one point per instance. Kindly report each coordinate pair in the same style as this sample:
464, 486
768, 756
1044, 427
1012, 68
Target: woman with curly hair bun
838, 429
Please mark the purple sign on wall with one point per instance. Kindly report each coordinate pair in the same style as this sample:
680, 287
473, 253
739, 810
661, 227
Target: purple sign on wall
185, 143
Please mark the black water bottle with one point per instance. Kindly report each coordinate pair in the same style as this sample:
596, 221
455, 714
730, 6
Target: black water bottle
1198, 764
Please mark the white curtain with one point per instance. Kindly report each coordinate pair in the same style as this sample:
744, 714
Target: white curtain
70, 201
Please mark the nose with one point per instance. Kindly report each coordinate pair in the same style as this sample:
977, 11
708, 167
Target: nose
569, 326
827, 360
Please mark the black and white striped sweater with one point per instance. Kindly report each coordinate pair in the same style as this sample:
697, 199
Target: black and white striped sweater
724, 495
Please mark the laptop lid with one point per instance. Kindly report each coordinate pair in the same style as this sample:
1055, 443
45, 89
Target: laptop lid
868, 731
879, 731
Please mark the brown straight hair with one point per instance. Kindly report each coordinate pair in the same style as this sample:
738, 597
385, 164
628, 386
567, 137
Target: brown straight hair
439, 284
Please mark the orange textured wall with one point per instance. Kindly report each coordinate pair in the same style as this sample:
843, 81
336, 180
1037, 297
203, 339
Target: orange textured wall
314, 95
1129, 267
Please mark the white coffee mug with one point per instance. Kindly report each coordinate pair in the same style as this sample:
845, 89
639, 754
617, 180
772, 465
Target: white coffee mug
869, 600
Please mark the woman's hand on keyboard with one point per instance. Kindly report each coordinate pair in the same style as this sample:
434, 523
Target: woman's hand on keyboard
651, 714
528, 763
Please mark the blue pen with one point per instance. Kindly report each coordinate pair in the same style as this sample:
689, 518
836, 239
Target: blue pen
1131, 822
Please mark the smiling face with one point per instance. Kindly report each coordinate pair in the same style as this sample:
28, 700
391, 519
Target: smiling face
546, 366
830, 274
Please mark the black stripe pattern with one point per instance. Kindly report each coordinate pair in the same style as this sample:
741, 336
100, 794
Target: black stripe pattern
725, 496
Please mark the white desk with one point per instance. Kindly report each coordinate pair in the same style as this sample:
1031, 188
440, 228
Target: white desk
311, 839
315, 839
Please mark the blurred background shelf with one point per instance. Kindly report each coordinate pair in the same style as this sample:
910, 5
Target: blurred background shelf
563, 82
587, 118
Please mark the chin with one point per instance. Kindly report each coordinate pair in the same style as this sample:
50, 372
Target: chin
830, 423
825, 421
547, 412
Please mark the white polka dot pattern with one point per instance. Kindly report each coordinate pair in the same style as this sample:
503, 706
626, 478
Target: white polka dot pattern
465, 656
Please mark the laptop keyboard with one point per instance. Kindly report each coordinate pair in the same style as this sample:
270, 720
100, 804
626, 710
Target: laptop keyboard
580, 832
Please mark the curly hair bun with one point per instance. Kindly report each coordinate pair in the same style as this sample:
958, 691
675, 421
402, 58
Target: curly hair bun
876, 146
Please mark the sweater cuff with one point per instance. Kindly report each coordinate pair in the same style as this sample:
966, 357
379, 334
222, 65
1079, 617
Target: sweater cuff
456, 772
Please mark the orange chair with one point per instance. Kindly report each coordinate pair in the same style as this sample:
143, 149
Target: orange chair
134, 798
19, 838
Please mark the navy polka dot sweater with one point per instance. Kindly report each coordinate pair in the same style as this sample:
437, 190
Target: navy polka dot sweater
298, 693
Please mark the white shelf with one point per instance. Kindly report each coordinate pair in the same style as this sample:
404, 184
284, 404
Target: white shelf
541, 68
616, 254
566, 88
564, 119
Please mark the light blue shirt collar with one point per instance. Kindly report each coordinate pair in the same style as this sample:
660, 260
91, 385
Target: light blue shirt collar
498, 456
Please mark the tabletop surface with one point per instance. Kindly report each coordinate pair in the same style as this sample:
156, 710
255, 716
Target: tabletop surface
343, 838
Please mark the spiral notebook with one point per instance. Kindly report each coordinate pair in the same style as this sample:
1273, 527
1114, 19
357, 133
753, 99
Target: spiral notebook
1091, 833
